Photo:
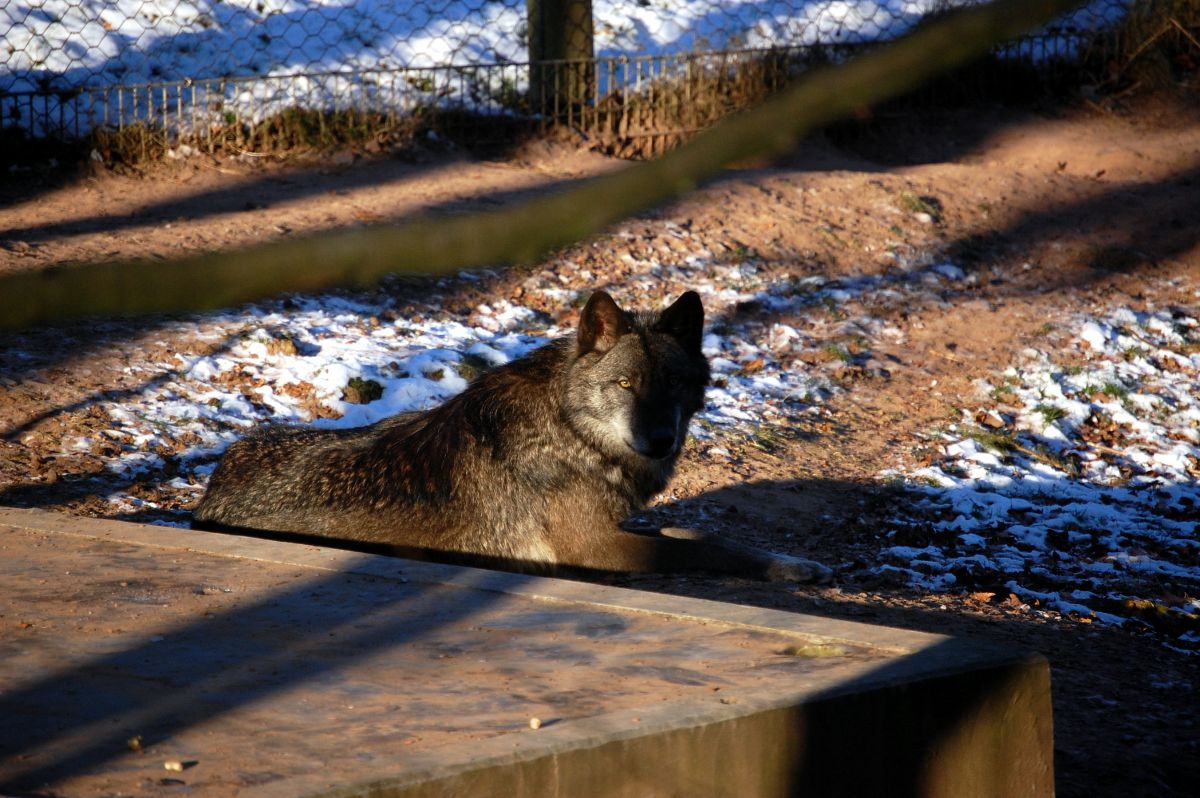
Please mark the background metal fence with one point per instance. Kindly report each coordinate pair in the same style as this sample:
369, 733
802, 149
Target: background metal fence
279, 72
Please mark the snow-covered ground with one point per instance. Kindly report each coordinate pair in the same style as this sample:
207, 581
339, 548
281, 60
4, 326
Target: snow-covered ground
1070, 486
1074, 483
72, 44
304, 361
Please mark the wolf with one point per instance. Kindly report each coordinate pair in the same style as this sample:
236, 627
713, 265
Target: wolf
533, 467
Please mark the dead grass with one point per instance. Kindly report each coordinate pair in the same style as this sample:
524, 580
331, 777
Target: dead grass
688, 95
293, 131
298, 131
1157, 46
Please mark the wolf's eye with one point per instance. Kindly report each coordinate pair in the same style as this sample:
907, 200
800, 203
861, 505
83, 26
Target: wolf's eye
625, 383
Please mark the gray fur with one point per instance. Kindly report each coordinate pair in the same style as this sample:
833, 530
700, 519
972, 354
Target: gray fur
533, 466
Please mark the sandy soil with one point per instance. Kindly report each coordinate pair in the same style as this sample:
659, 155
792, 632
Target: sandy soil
1087, 208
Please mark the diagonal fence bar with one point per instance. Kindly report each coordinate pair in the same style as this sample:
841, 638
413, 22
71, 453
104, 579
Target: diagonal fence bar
519, 233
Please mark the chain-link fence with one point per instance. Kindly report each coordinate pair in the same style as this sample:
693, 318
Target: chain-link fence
281, 72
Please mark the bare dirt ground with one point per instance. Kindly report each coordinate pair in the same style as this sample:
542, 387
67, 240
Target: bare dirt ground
1082, 208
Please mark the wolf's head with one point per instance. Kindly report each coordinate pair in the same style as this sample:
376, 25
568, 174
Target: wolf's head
637, 378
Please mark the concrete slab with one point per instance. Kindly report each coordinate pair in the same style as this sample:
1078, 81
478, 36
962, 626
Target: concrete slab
261, 668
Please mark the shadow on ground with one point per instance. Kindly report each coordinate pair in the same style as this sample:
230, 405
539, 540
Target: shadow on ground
1121, 723
208, 667
1097, 670
1133, 227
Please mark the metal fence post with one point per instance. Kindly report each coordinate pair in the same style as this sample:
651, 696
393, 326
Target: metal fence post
560, 32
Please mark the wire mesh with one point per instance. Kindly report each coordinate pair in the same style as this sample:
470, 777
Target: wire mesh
215, 71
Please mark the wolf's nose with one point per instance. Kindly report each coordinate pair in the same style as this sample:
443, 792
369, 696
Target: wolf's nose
662, 444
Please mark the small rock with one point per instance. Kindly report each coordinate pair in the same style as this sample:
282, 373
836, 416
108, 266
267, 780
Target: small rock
849, 372
814, 650
989, 418
876, 368
535, 723
360, 392
282, 345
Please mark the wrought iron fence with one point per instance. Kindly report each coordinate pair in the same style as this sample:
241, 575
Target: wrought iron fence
246, 71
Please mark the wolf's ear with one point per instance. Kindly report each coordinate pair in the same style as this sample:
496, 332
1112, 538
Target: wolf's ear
684, 320
601, 324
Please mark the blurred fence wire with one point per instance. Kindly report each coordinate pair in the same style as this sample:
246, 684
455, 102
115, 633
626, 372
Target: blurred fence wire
638, 74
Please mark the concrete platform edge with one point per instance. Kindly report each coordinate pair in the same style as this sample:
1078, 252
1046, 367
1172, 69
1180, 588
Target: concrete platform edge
947, 718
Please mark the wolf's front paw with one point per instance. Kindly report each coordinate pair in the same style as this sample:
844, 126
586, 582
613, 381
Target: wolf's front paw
783, 568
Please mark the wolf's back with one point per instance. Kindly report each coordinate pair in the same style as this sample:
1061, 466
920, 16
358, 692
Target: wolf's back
268, 471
